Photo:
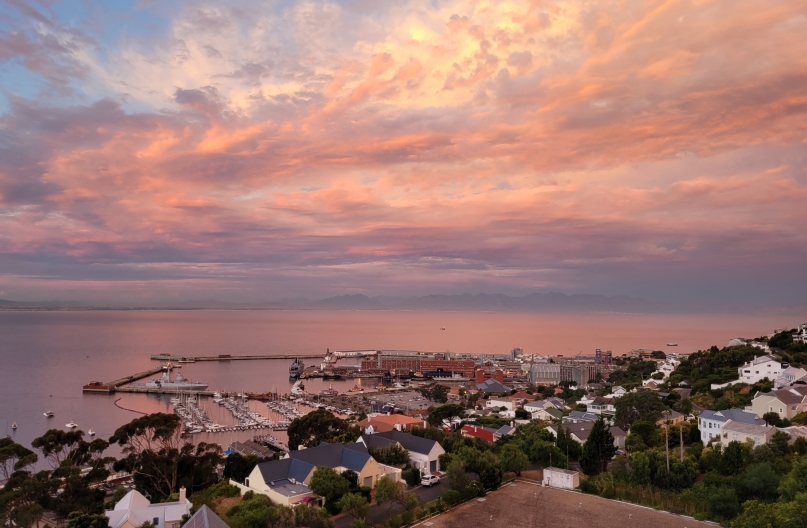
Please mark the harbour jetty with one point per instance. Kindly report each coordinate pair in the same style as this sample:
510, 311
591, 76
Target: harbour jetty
229, 357
114, 385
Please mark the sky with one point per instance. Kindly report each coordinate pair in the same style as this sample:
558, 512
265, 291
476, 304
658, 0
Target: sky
155, 151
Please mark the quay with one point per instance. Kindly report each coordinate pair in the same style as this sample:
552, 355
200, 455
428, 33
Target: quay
112, 386
229, 357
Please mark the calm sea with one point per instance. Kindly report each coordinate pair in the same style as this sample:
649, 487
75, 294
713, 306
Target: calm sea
46, 357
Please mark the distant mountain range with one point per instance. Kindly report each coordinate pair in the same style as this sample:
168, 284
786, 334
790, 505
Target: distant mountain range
534, 302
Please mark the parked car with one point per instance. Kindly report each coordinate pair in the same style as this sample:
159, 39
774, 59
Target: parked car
429, 480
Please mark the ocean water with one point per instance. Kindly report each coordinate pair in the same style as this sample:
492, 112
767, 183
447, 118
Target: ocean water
46, 357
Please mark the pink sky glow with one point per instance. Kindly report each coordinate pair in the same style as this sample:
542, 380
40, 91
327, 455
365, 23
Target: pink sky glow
308, 149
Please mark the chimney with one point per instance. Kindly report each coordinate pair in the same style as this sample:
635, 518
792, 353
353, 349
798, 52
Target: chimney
182, 498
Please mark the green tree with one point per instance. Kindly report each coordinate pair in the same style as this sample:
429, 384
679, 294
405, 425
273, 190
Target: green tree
598, 450
354, 504
320, 426
391, 455
513, 459
795, 481
761, 481
733, 458
772, 418
458, 478
636, 406
83, 520
238, 467
435, 392
68, 447
14, 457
329, 484
440, 416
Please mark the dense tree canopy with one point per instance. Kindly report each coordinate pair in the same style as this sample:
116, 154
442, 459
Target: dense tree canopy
320, 426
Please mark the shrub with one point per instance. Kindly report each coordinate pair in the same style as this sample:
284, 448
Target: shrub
407, 517
451, 497
412, 476
587, 486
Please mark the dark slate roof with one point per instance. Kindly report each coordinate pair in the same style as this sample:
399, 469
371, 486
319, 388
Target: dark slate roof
301, 463
205, 518
491, 385
504, 430
409, 442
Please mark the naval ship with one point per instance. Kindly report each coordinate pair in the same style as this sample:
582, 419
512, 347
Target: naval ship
180, 383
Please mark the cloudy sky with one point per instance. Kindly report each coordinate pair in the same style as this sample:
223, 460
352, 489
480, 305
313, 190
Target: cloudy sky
165, 150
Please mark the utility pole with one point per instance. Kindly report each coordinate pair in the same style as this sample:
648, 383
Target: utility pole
667, 443
681, 434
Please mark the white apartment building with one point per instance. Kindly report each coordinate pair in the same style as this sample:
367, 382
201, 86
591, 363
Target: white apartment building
760, 368
496, 404
710, 422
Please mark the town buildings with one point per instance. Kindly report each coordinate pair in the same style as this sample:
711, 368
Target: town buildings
382, 423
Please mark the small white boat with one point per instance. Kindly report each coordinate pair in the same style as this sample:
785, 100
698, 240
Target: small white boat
14, 425
48, 414
91, 432
71, 424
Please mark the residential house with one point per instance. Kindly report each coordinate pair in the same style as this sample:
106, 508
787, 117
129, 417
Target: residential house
580, 416
424, 454
801, 334
670, 417
477, 431
504, 431
789, 376
602, 405
382, 423
618, 391
561, 478
499, 403
732, 431
548, 413
581, 430
710, 422
134, 510
520, 397
760, 368
285, 481
787, 402
205, 518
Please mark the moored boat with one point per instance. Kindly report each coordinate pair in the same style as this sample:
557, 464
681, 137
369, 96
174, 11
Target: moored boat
48, 414
296, 368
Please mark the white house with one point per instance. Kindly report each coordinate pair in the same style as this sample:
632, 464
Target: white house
618, 391
496, 404
801, 334
760, 368
710, 422
424, 454
561, 478
742, 432
789, 376
134, 510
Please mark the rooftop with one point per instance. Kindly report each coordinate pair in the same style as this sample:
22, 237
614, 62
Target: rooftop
749, 429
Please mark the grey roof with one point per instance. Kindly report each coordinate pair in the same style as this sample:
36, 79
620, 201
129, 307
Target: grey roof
504, 430
205, 518
301, 463
737, 415
581, 415
409, 442
745, 428
581, 429
617, 431
491, 385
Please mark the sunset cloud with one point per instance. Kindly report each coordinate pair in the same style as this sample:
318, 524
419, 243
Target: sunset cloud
655, 148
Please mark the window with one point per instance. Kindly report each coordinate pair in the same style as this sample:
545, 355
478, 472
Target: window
156, 521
